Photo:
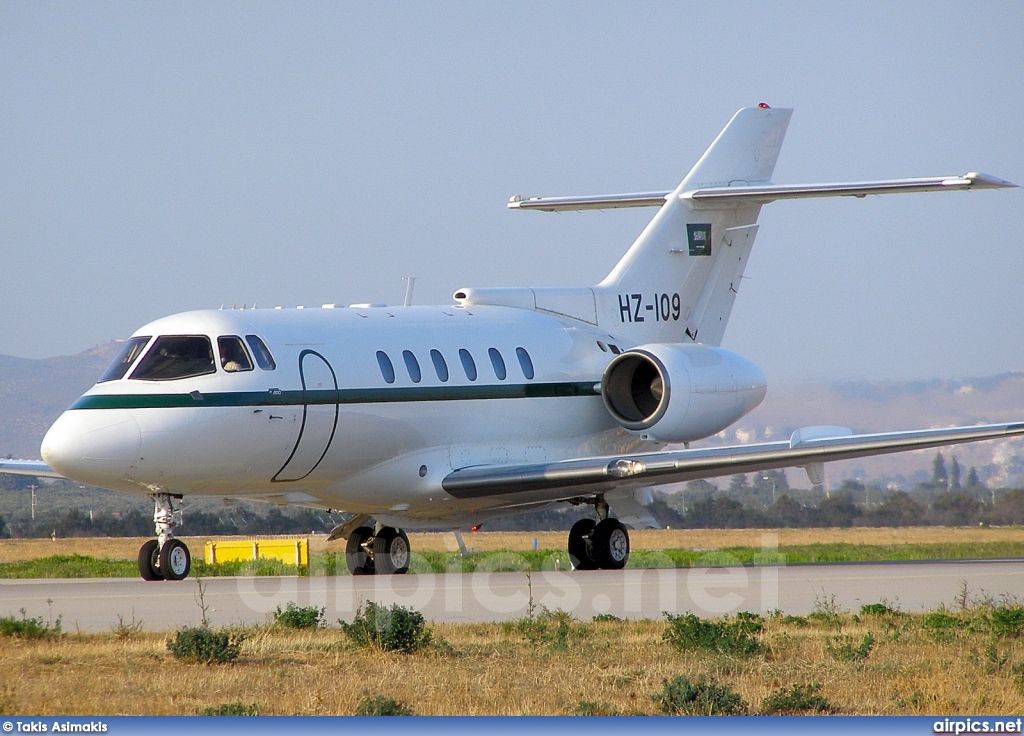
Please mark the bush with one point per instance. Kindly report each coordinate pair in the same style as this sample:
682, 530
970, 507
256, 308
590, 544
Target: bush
878, 609
1008, 621
842, 649
232, 709
27, 628
703, 698
293, 617
798, 699
205, 646
689, 633
378, 705
395, 629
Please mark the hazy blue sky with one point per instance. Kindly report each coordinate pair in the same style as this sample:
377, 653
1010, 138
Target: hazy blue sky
159, 157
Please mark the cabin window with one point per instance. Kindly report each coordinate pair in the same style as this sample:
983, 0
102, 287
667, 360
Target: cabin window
525, 363
440, 367
467, 364
127, 355
176, 356
498, 363
412, 365
261, 352
233, 356
386, 369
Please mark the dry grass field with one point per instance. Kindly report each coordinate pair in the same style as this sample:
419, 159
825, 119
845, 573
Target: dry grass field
602, 667
12, 550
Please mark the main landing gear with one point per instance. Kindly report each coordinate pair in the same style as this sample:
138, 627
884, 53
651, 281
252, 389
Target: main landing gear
381, 550
165, 558
601, 544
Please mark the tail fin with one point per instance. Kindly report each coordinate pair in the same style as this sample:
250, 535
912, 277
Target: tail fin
679, 279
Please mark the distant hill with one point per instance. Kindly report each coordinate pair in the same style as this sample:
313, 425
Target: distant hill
33, 393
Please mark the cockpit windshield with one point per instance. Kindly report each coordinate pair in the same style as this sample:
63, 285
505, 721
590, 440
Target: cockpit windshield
176, 356
125, 357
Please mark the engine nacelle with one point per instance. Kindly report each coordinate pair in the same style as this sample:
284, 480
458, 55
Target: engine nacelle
680, 392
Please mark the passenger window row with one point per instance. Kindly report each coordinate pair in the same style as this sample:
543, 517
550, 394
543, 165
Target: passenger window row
412, 365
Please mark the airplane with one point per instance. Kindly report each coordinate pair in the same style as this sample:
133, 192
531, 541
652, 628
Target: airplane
506, 400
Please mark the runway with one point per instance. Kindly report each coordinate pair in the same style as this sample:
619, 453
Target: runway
95, 604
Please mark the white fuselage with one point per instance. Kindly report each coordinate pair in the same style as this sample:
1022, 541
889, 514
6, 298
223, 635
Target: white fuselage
342, 432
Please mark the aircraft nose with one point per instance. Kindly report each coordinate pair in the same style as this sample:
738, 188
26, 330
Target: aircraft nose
93, 446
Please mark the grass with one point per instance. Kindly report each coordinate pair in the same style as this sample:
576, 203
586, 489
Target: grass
597, 667
331, 563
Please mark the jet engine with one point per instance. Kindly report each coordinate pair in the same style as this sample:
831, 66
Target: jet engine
680, 392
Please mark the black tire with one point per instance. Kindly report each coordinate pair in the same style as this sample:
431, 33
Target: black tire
357, 558
149, 561
175, 560
580, 555
391, 552
611, 545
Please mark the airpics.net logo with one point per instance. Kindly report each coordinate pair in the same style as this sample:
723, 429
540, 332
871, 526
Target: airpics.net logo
957, 726
698, 235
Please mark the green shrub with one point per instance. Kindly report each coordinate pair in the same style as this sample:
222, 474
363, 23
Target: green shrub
293, 617
28, 628
395, 629
842, 648
232, 709
554, 628
378, 705
605, 617
593, 708
798, 699
1008, 621
878, 609
702, 698
689, 633
942, 621
205, 646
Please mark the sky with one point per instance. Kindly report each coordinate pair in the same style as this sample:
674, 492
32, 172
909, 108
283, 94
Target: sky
157, 158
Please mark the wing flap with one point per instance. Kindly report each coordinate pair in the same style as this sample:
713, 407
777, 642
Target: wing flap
571, 478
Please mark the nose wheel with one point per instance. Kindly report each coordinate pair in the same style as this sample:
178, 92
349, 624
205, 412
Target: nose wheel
165, 558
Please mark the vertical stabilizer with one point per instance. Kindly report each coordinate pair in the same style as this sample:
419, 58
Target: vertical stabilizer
679, 279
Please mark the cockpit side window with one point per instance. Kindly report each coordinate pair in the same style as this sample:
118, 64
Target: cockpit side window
261, 352
125, 357
176, 356
233, 356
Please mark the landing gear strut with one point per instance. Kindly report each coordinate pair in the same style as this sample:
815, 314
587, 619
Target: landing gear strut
383, 550
165, 558
601, 544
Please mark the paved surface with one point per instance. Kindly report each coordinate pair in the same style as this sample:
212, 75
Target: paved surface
96, 604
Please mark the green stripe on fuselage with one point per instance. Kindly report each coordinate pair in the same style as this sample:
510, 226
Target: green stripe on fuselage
340, 396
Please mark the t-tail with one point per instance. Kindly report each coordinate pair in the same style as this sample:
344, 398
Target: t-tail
678, 282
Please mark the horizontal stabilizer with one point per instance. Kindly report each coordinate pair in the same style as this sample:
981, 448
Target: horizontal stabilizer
763, 193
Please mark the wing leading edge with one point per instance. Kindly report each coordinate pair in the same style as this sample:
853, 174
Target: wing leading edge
571, 478
35, 468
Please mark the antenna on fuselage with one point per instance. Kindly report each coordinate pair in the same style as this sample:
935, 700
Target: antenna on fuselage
410, 282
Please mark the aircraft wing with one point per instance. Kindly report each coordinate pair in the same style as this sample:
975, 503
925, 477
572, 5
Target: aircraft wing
35, 468
808, 448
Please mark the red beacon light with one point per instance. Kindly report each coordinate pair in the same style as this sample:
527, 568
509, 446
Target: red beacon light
764, 105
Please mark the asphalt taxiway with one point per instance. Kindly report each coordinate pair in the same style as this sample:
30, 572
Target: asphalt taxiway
98, 604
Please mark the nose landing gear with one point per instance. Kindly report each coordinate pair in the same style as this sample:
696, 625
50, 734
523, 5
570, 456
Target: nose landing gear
601, 544
165, 558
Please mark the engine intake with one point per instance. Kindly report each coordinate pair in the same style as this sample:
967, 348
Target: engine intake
679, 393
